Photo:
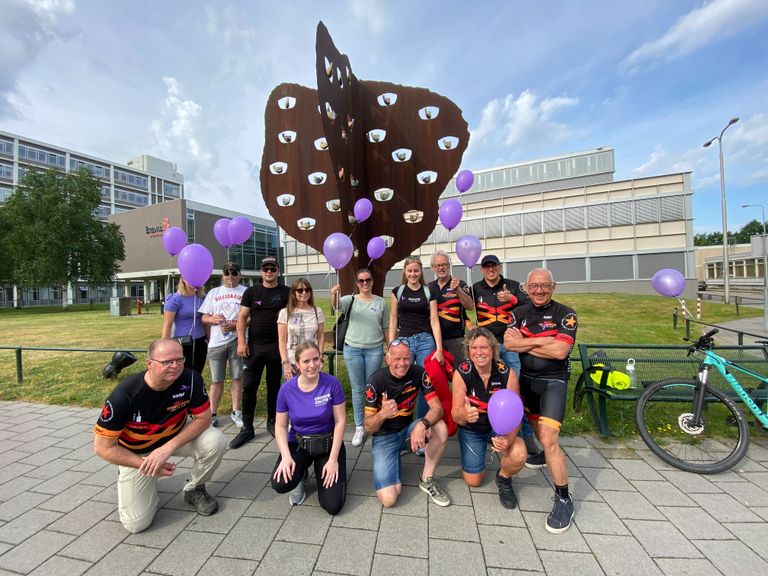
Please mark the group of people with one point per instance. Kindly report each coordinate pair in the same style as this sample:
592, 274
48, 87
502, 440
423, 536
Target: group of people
521, 342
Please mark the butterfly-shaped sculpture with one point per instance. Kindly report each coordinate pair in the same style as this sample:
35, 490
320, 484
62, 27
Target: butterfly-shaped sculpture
324, 149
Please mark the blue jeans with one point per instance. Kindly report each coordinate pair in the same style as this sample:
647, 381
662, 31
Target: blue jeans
473, 446
421, 345
361, 363
385, 451
512, 359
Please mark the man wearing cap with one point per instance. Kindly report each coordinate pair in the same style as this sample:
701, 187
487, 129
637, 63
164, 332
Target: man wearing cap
259, 308
220, 309
453, 300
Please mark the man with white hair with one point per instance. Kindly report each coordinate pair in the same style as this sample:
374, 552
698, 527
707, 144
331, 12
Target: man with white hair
453, 301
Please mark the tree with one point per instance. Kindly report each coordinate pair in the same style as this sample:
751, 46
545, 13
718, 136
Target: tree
51, 235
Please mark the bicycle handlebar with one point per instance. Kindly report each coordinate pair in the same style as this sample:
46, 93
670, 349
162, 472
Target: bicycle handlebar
704, 341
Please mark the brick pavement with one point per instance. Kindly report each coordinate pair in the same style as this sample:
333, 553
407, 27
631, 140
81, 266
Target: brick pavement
634, 515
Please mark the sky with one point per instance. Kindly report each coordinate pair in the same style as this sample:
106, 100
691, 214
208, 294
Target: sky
187, 80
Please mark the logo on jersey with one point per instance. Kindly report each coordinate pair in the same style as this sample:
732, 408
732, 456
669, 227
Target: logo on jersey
370, 394
502, 368
465, 367
569, 321
548, 325
107, 412
512, 320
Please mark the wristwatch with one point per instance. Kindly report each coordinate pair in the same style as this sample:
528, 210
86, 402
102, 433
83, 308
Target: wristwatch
426, 423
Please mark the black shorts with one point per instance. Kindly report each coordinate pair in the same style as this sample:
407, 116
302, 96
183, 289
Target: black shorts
544, 399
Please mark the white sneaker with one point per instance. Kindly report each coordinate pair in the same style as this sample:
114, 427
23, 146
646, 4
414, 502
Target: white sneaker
237, 418
359, 436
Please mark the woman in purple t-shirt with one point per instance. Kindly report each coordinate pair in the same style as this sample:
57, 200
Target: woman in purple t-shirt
183, 321
314, 403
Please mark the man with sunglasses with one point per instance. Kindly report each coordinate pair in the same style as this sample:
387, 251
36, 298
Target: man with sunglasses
543, 331
220, 309
390, 399
259, 309
145, 422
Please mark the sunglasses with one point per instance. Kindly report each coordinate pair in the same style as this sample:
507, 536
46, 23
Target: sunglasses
303, 290
398, 341
231, 272
269, 268
412, 259
171, 362
364, 280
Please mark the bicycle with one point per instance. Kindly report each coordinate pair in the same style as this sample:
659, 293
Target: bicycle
684, 437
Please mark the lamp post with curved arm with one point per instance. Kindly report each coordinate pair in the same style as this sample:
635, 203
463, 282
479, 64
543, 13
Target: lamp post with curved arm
726, 264
765, 264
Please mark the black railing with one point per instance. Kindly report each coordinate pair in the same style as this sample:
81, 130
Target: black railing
676, 317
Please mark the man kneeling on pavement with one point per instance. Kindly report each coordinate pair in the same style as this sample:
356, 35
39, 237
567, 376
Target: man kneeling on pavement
145, 422
390, 399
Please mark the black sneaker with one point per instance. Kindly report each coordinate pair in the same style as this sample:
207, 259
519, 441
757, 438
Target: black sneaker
200, 499
559, 520
536, 460
507, 494
246, 434
271, 427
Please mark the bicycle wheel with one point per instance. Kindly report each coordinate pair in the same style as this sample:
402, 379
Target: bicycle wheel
663, 415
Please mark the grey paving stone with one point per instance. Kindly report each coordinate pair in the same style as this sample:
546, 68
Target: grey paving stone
412, 502
691, 483
269, 504
58, 565
731, 557
245, 485
13, 470
587, 457
569, 541
91, 465
606, 479
488, 510
753, 535
455, 557
82, 518
24, 526
575, 441
453, 523
19, 504
458, 490
581, 490
635, 469
497, 542
228, 469
97, 542
662, 493
750, 494
535, 498
288, 558
70, 498
725, 508
598, 518
229, 512
687, 567
53, 468
60, 482
125, 560
662, 539
263, 463
186, 554
347, 551
620, 555
45, 456
34, 551
218, 566
618, 453
16, 486
305, 524
106, 476
570, 563
76, 441
242, 543
695, 523
403, 536
166, 526
360, 482
631, 505
361, 512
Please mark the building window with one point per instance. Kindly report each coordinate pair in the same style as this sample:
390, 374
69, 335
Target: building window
5, 193
41, 156
171, 189
190, 226
598, 215
532, 223
6, 148
553, 221
575, 218
647, 211
621, 214
671, 208
128, 197
131, 179
6, 172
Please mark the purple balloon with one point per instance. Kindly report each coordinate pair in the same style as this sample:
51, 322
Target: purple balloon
468, 250
195, 264
240, 229
668, 282
363, 209
505, 411
174, 239
450, 213
376, 247
464, 180
221, 232
338, 250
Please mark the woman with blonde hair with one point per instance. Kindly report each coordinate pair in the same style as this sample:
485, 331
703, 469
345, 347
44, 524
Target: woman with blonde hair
301, 321
183, 322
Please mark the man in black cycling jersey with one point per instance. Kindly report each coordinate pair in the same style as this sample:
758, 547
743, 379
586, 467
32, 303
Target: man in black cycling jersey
543, 331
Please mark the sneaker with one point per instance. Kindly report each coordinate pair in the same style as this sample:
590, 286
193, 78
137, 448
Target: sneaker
536, 460
359, 436
507, 494
432, 487
215, 420
271, 427
201, 500
419, 452
242, 437
559, 520
299, 494
237, 418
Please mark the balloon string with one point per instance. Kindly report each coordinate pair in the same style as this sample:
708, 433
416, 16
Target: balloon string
684, 308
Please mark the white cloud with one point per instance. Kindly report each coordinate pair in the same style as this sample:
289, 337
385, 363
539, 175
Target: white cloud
372, 12
524, 120
26, 27
712, 22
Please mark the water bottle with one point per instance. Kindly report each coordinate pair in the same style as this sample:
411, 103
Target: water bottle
630, 369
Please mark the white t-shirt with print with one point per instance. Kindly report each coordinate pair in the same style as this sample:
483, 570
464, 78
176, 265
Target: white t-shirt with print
222, 300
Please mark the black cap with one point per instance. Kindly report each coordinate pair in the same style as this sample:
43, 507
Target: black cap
269, 260
231, 266
490, 259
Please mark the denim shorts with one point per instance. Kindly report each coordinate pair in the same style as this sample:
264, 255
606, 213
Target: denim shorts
473, 449
385, 451
218, 358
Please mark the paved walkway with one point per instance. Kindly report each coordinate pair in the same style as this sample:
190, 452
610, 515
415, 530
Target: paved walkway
635, 516
751, 325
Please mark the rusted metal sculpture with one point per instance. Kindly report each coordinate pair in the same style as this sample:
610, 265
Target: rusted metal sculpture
325, 149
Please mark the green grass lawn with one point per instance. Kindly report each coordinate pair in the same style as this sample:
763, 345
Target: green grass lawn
74, 378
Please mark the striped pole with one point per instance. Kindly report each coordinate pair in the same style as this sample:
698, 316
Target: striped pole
698, 308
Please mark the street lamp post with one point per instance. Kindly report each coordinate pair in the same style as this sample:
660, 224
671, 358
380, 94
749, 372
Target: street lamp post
765, 265
726, 264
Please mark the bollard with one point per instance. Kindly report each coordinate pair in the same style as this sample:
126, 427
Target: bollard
19, 369
698, 308
687, 329
736, 299
674, 319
